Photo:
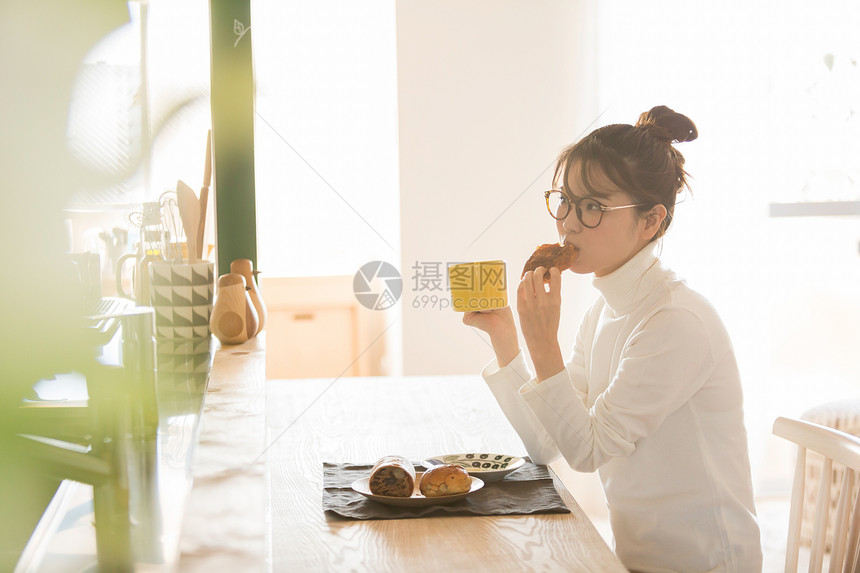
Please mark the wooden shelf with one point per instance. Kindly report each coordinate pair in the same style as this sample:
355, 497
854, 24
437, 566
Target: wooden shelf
816, 209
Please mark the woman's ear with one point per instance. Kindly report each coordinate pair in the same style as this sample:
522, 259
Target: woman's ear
653, 220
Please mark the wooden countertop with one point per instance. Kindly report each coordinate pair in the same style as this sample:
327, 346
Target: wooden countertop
360, 419
256, 465
154, 448
225, 522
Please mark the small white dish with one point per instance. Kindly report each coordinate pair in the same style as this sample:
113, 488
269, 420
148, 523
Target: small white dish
362, 486
488, 467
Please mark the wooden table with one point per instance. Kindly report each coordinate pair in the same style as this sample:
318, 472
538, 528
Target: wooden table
256, 501
359, 420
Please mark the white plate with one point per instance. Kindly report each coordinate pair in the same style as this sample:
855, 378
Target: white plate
362, 486
488, 467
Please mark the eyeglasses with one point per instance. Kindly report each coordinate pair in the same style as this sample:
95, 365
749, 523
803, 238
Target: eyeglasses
588, 211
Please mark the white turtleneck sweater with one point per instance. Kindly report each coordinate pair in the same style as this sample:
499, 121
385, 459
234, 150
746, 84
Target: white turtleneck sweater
652, 400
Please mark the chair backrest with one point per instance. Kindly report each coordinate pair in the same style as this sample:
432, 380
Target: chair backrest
834, 446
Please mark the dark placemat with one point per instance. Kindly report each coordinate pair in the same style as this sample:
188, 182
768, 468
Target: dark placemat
528, 490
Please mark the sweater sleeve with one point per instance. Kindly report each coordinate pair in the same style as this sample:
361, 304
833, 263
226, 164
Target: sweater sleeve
576, 365
666, 360
504, 383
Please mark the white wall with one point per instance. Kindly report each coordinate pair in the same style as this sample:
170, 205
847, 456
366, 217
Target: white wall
489, 92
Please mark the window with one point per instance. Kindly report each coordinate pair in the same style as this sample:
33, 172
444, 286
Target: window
326, 136
145, 85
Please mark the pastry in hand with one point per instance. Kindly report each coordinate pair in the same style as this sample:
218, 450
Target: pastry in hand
393, 476
449, 479
551, 255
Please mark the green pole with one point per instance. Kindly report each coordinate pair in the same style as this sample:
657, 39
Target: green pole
232, 100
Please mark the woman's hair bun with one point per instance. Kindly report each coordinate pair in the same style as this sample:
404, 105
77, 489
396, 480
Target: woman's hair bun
668, 125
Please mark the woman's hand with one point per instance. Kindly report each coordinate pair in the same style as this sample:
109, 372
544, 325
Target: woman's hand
499, 324
539, 310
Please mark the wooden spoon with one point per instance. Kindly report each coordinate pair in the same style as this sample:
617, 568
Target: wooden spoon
204, 194
189, 212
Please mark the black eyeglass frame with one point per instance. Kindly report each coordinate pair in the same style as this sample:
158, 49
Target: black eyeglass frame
575, 202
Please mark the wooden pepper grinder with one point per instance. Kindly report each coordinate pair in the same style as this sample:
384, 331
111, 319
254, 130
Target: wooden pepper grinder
234, 319
244, 267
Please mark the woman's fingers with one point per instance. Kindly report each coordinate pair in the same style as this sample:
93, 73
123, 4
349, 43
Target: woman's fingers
538, 280
527, 285
539, 308
482, 320
532, 284
555, 283
490, 321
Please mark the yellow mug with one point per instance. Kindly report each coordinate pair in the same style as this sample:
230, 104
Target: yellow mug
482, 285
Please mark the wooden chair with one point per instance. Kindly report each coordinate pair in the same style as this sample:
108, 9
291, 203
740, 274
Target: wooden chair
838, 447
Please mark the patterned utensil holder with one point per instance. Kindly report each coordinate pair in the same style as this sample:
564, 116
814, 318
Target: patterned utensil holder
182, 296
183, 366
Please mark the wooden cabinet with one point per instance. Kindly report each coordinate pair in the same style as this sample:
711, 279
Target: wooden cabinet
311, 342
317, 329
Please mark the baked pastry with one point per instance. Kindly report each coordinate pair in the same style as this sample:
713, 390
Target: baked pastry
448, 479
393, 476
551, 255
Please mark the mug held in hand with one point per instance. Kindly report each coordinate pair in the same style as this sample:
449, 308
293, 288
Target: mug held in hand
478, 286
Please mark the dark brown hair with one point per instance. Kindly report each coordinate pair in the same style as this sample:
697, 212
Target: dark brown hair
639, 159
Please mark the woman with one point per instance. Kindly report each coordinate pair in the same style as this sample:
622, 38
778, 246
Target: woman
651, 397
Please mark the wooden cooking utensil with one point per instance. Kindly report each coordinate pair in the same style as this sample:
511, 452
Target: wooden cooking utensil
234, 319
244, 267
204, 193
189, 212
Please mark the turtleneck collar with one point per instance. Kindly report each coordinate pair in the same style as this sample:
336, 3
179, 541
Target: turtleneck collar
624, 288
